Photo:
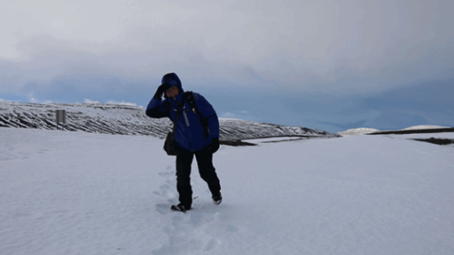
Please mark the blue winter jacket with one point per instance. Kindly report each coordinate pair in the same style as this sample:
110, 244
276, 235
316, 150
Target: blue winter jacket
190, 134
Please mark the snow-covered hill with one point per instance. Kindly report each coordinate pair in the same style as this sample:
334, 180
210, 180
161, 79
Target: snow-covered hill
85, 193
424, 127
131, 120
413, 129
357, 131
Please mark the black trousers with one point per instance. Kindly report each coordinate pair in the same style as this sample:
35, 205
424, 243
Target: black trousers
206, 170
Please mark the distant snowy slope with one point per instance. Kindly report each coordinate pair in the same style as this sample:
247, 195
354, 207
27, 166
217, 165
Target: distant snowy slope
92, 117
358, 131
130, 120
243, 129
422, 127
413, 129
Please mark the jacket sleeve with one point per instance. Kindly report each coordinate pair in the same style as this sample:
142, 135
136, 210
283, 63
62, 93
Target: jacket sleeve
156, 109
207, 111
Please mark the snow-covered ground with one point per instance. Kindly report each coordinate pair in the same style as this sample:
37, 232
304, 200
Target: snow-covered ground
84, 193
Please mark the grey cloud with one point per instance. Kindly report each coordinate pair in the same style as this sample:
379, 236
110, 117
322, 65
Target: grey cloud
298, 44
341, 51
425, 103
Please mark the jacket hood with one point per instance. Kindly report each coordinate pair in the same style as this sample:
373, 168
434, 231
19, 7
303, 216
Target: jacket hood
172, 80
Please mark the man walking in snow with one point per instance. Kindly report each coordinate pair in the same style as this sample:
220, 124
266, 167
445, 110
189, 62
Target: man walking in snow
196, 133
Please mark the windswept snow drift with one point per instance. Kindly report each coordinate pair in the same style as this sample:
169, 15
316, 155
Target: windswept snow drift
83, 193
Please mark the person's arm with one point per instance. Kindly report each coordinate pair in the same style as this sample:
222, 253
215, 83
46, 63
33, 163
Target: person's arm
156, 107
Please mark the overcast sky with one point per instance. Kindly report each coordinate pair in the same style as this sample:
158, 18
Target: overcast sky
329, 65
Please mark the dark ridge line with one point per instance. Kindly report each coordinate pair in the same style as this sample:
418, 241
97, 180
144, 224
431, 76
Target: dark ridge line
420, 131
236, 143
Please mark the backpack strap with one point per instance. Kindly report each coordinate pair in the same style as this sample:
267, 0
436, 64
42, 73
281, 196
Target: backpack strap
203, 120
191, 102
180, 108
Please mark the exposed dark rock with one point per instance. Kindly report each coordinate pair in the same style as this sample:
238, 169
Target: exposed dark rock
236, 143
438, 141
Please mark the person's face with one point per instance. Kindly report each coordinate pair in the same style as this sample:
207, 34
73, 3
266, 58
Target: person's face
172, 92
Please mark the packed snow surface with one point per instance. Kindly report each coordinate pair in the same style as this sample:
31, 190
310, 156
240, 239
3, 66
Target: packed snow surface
85, 193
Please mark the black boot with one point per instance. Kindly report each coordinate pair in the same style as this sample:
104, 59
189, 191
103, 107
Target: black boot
217, 199
179, 208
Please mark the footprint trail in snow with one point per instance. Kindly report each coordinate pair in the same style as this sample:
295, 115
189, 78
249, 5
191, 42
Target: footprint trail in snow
195, 231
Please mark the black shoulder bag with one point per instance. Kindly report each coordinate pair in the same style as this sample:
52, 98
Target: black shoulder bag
170, 145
